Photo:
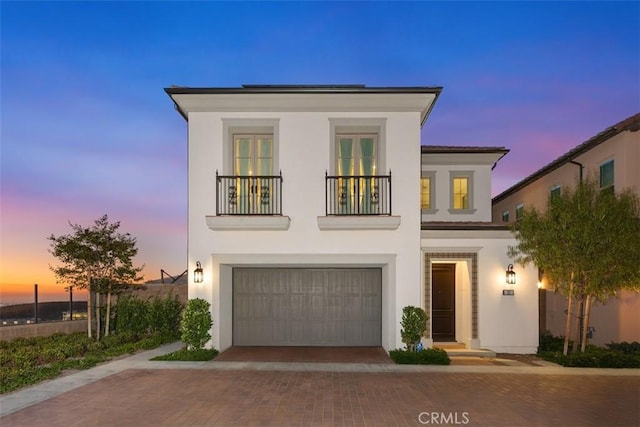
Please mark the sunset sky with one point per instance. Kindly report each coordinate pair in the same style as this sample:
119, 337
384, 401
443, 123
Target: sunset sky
86, 128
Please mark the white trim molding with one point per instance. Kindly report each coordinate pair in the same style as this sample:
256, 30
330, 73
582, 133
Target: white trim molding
248, 222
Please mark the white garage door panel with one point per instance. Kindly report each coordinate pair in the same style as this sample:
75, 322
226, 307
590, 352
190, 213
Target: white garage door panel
307, 307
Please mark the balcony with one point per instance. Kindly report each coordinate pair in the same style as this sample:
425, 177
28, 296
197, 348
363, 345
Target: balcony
358, 195
248, 203
358, 203
248, 195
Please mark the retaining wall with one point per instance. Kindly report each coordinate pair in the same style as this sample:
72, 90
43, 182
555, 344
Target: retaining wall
7, 333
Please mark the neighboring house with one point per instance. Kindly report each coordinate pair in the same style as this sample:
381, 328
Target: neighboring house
612, 156
304, 218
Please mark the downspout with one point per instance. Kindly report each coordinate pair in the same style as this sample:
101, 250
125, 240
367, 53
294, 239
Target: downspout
581, 168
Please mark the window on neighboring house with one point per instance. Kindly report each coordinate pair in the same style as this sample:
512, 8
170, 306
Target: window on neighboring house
461, 192
554, 193
505, 216
519, 211
606, 176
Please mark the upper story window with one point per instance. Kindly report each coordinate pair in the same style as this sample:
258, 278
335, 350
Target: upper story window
554, 192
250, 146
461, 192
427, 192
607, 176
519, 211
253, 155
505, 216
356, 154
248, 184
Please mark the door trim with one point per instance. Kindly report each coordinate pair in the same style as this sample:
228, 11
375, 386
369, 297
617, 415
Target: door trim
472, 259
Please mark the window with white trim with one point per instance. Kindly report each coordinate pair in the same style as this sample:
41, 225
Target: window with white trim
461, 185
505, 216
427, 192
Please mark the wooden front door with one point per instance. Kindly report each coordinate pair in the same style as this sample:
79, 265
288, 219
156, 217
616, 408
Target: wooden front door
443, 308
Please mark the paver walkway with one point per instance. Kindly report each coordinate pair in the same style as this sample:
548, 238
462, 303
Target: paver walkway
134, 391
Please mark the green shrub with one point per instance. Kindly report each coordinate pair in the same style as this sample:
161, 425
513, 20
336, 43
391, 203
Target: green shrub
200, 355
428, 356
551, 343
131, 315
414, 323
625, 347
164, 315
155, 315
196, 323
616, 355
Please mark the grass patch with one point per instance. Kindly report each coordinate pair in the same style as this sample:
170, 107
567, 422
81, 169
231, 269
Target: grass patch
427, 356
184, 355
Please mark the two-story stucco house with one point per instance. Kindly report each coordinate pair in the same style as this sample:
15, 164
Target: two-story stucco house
306, 205
612, 157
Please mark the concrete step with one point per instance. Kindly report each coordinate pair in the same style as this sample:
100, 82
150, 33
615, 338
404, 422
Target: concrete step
470, 353
456, 349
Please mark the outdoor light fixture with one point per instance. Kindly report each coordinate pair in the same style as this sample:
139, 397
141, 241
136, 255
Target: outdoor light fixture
510, 275
540, 278
197, 273
510, 280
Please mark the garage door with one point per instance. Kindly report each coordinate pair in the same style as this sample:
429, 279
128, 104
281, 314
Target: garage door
307, 307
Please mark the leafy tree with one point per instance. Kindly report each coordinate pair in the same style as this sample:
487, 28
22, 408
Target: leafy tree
414, 323
587, 243
196, 323
97, 258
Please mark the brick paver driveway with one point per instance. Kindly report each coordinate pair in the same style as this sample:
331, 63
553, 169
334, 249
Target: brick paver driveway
196, 397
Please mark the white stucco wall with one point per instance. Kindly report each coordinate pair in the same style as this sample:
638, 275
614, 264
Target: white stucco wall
481, 193
506, 324
304, 156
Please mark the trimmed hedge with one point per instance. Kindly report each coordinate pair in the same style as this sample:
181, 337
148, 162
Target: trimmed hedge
616, 355
184, 355
428, 356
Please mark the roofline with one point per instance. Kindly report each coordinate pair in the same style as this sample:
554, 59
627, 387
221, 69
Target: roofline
631, 123
303, 90
299, 89
446, 149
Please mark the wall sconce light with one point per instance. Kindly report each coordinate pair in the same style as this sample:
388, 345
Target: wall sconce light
510, 280
540, 278
197, 273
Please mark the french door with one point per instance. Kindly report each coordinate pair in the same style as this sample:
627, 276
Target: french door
253, 167
356, 168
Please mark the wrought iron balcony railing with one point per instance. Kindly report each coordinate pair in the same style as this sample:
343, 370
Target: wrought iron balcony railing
248, 195
358, 195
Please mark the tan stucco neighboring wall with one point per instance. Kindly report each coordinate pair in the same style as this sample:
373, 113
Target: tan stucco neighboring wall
619, 319
623, 148
616, 320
